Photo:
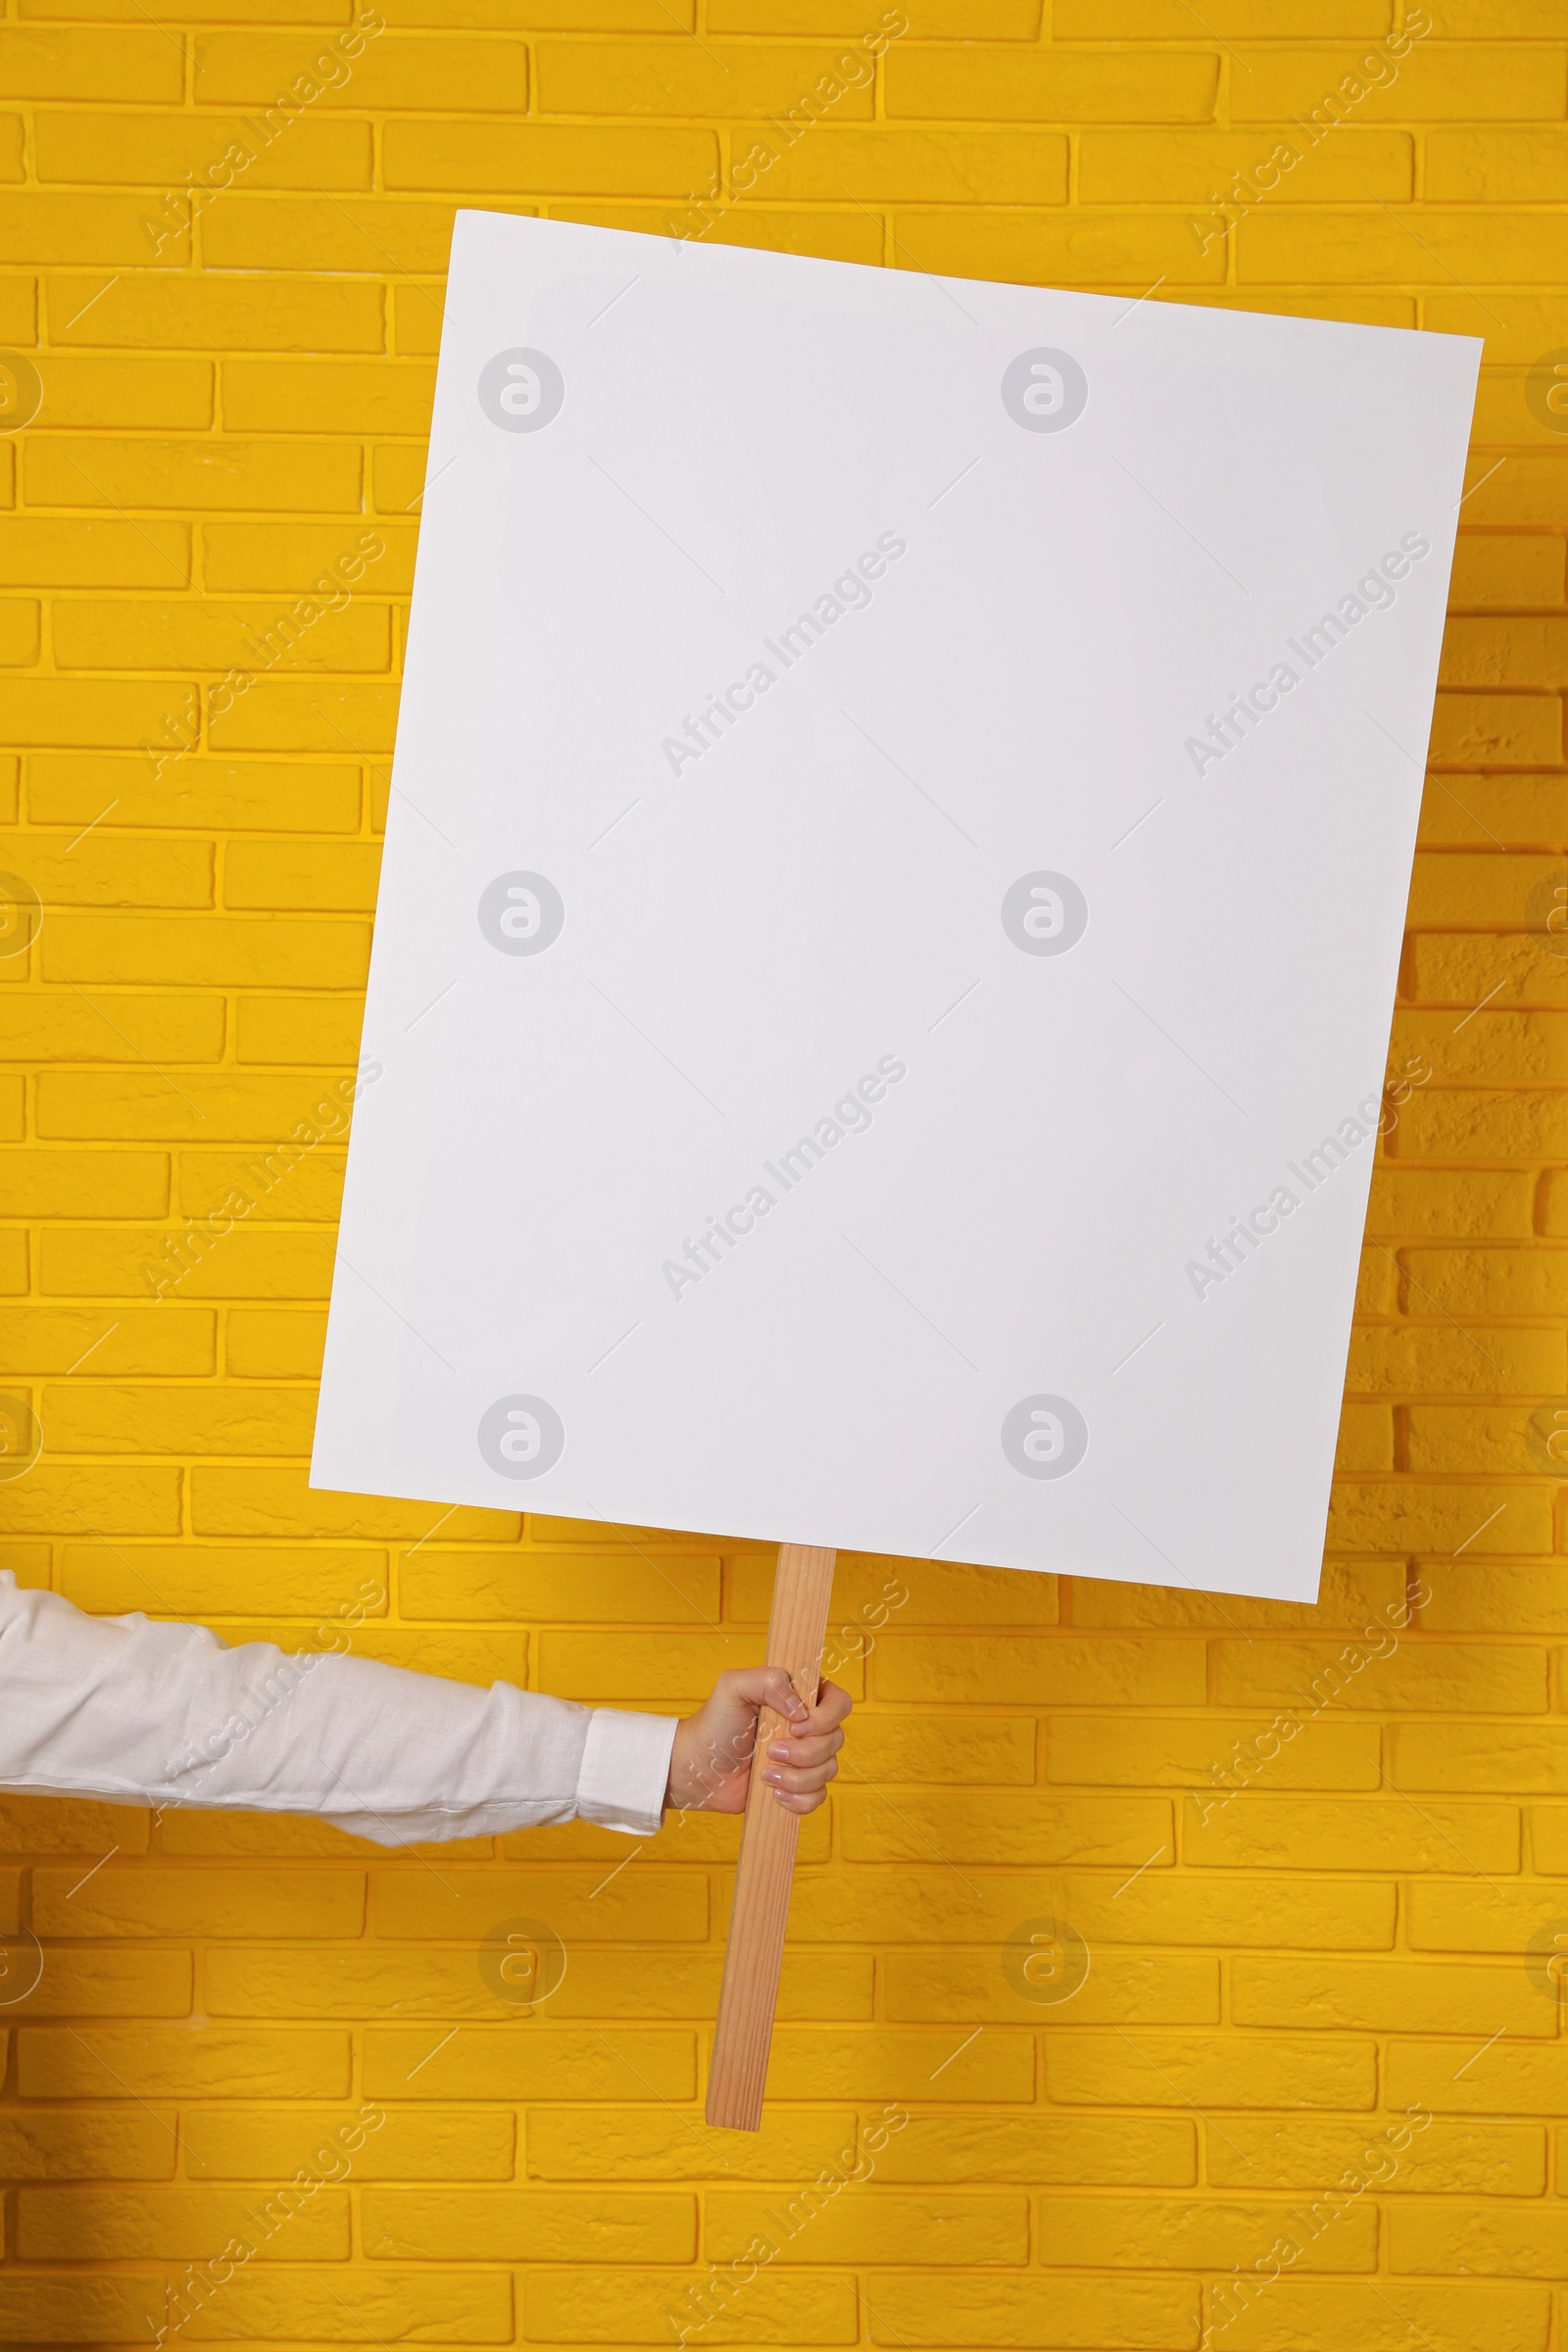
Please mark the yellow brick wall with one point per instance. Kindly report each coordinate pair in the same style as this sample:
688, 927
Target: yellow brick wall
1315, 1871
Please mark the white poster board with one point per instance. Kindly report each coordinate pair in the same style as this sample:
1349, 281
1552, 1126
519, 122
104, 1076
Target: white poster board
903, 810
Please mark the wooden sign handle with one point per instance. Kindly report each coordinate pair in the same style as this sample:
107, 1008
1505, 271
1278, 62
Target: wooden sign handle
803, 1588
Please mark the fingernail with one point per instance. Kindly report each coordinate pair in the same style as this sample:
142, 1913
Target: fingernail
774, 1776
782, 1754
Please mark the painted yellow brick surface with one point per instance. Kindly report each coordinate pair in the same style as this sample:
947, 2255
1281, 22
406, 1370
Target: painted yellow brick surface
1318, 1857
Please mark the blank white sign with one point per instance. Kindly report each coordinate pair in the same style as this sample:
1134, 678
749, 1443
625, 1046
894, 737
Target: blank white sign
903, 809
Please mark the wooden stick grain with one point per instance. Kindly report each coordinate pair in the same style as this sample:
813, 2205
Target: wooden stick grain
802, 1588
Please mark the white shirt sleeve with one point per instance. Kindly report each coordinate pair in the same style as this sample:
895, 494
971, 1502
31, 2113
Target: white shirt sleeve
140, 1713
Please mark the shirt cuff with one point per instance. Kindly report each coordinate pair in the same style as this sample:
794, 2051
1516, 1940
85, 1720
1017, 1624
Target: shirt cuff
626, 1770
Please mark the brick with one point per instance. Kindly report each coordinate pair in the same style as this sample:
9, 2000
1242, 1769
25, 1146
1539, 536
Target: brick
269, 2143
1327, 245
645, 1666
1188, 1907
882, 166
355, 235
177, 2224
353, 2306
670, 1907
126, 67
1453, 1437
187, 1580
1527, 487
1062, 86
526, 1587
189, 634
1193, 167
1469, 1281
1437, 1679
549, 2062
441, 73
290, 556
279, 475
1463, 2076
36, 1182
283, 714
332, 877
83, 2143
1348, 1594
949, 1748
1444, 1917
1385, 1995
102, 1983
326, 1031
302, 1187
1055, 2312
739, 80
160, 2062
103, 1418
217, 951
631, 2307
927, 20
528, 2223
118, 873
55, 1825
93, 712
69, 1026
871, 2226
56, 1499
1480, 1123
55, 1338
1191, 2233
172, 313
119, 1261
81, 553
1183, 2070
147, 1902
1520, 568
1505, 1599
1105, 246
1056, 2150
318, 396
1120, 1988
1468, 81
1549, 1838
1416, 1204
1012, 1826
1042, 1671
229, 1500
644, 2143
1429, 1518
1184, 1751
65, 2306
157, 151
1308, 2152
1498, 2241
1480, 2318
527, 158
75, 788
1517, 652
871, 2063
275, 1344
1352, 1833
1554, 1219
1469, 731
850, 234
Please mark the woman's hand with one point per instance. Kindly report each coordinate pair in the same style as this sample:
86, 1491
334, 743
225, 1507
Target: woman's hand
710, 1766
